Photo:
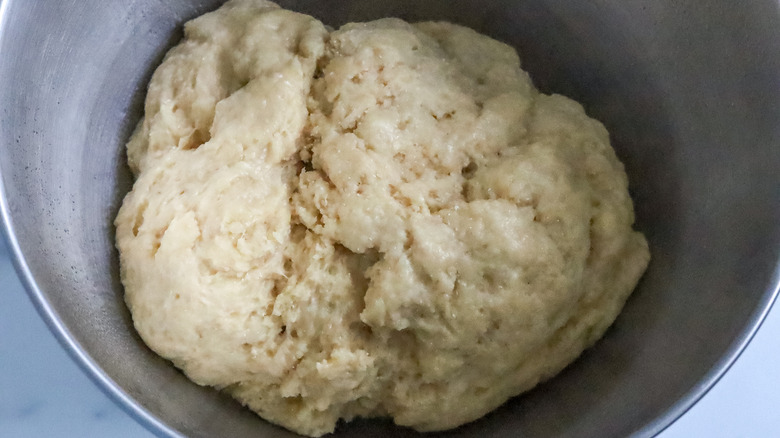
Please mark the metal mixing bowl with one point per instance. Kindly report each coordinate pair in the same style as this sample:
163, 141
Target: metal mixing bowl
689, 89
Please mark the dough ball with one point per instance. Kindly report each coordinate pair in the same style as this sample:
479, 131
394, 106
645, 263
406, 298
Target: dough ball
387, 219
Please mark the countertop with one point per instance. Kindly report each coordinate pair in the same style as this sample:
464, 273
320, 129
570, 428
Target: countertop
44, 394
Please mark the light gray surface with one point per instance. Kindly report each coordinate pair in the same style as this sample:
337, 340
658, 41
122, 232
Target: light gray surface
688, 89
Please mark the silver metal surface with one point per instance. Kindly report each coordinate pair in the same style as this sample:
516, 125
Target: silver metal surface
690, 90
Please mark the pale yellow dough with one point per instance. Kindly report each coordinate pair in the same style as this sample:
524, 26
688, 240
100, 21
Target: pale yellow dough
383, 220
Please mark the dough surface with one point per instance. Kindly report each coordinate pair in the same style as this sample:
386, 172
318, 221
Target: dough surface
387, 219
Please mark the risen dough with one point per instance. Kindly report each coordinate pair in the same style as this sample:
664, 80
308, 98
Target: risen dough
383, 220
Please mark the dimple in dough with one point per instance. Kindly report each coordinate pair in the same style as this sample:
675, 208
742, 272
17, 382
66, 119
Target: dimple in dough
387, 219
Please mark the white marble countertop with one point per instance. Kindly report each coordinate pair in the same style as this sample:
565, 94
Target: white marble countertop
44, 394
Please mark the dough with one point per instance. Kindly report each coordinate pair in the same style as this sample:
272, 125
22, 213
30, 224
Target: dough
383, 220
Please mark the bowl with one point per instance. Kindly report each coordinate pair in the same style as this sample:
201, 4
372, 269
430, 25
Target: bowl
689, 89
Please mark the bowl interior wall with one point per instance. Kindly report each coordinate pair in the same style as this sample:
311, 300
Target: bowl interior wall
688, 89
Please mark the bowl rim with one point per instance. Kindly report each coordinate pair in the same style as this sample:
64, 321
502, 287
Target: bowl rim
159, 428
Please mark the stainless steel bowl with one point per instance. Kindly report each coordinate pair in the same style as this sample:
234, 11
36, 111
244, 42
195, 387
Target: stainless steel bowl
690, 90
